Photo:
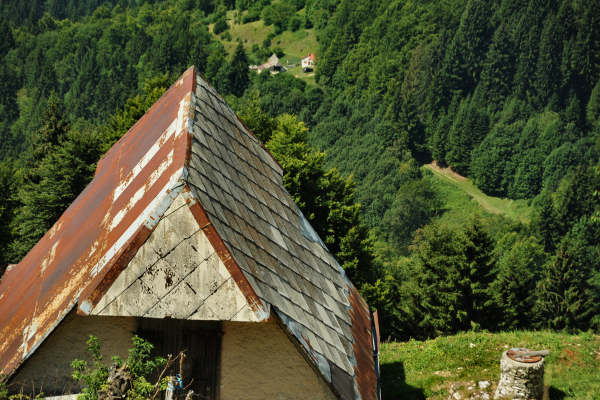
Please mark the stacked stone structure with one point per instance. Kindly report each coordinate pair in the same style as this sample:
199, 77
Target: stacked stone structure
520, 379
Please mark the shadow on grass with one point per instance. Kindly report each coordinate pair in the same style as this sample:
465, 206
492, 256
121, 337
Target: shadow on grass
394, 386
552, 393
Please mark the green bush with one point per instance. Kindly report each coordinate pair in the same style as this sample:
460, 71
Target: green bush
220, 26
294, 23
252, 15
140, 365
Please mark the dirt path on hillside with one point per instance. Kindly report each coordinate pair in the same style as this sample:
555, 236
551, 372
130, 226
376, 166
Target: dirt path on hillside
467, 187
446, 171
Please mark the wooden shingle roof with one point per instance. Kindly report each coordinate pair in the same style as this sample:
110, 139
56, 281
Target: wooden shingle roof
273, 253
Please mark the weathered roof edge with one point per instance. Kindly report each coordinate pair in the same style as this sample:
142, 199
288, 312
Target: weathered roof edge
261, 309
30, 307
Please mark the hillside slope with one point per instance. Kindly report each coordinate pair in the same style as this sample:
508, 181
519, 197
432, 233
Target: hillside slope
435, 369
515, 209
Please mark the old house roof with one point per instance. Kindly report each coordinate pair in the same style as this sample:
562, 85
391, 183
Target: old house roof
272, 62
191, 141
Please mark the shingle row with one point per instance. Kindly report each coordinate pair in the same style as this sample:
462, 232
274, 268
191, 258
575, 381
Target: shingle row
241, 188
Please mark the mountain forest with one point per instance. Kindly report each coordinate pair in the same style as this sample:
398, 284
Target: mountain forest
502, 95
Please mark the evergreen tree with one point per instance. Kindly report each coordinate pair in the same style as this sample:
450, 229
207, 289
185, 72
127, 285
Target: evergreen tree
548, 77
478, 249
8, 40
61, 175
470, 126
416, 203
569, 291
255, 118
491, 167
239, 74
7, 206
218, 70
586, 54
452, 273
466, 53
513, 291
498, 68
592, 111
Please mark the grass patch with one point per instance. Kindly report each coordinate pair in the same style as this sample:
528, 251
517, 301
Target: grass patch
436, 368
295, 45
462, 198
250, 34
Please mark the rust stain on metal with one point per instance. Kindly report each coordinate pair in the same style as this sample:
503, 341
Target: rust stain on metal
376, 323
78, 260
83, 252
365, 376
516, 354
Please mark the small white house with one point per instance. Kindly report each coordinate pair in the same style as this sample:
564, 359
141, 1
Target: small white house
308, 63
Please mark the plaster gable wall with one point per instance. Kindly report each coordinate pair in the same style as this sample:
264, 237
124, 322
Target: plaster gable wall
259, 361
176, 273
49, 370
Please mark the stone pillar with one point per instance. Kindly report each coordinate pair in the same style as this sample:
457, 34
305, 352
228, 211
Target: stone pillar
522, 379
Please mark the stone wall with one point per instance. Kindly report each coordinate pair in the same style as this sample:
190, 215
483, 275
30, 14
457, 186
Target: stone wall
520, 380
259, 361
49, 370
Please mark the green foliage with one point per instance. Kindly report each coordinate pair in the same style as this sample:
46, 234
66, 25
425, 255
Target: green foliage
278, 14
413, 207
294, 23
325, 197
220, 25
3, 389
452, 273
93, 377
593, 106
239, 75
255, 118
120, 122
470, 127
491, 165
513, 291
569, 290
140, 364
7, 207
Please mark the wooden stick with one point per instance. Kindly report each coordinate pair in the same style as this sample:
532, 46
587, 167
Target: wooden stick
170, 361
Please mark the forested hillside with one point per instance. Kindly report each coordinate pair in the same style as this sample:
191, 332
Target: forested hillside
504, 92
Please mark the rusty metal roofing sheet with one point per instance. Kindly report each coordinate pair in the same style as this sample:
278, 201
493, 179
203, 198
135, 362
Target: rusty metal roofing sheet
109, 219
190, 141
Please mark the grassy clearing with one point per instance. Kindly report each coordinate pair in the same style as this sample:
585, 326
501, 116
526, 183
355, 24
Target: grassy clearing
250, 34
462, 198
295, 45
435, 369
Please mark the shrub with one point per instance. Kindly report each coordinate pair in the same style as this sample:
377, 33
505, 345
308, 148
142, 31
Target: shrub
220, 26
140, 365
294, 23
